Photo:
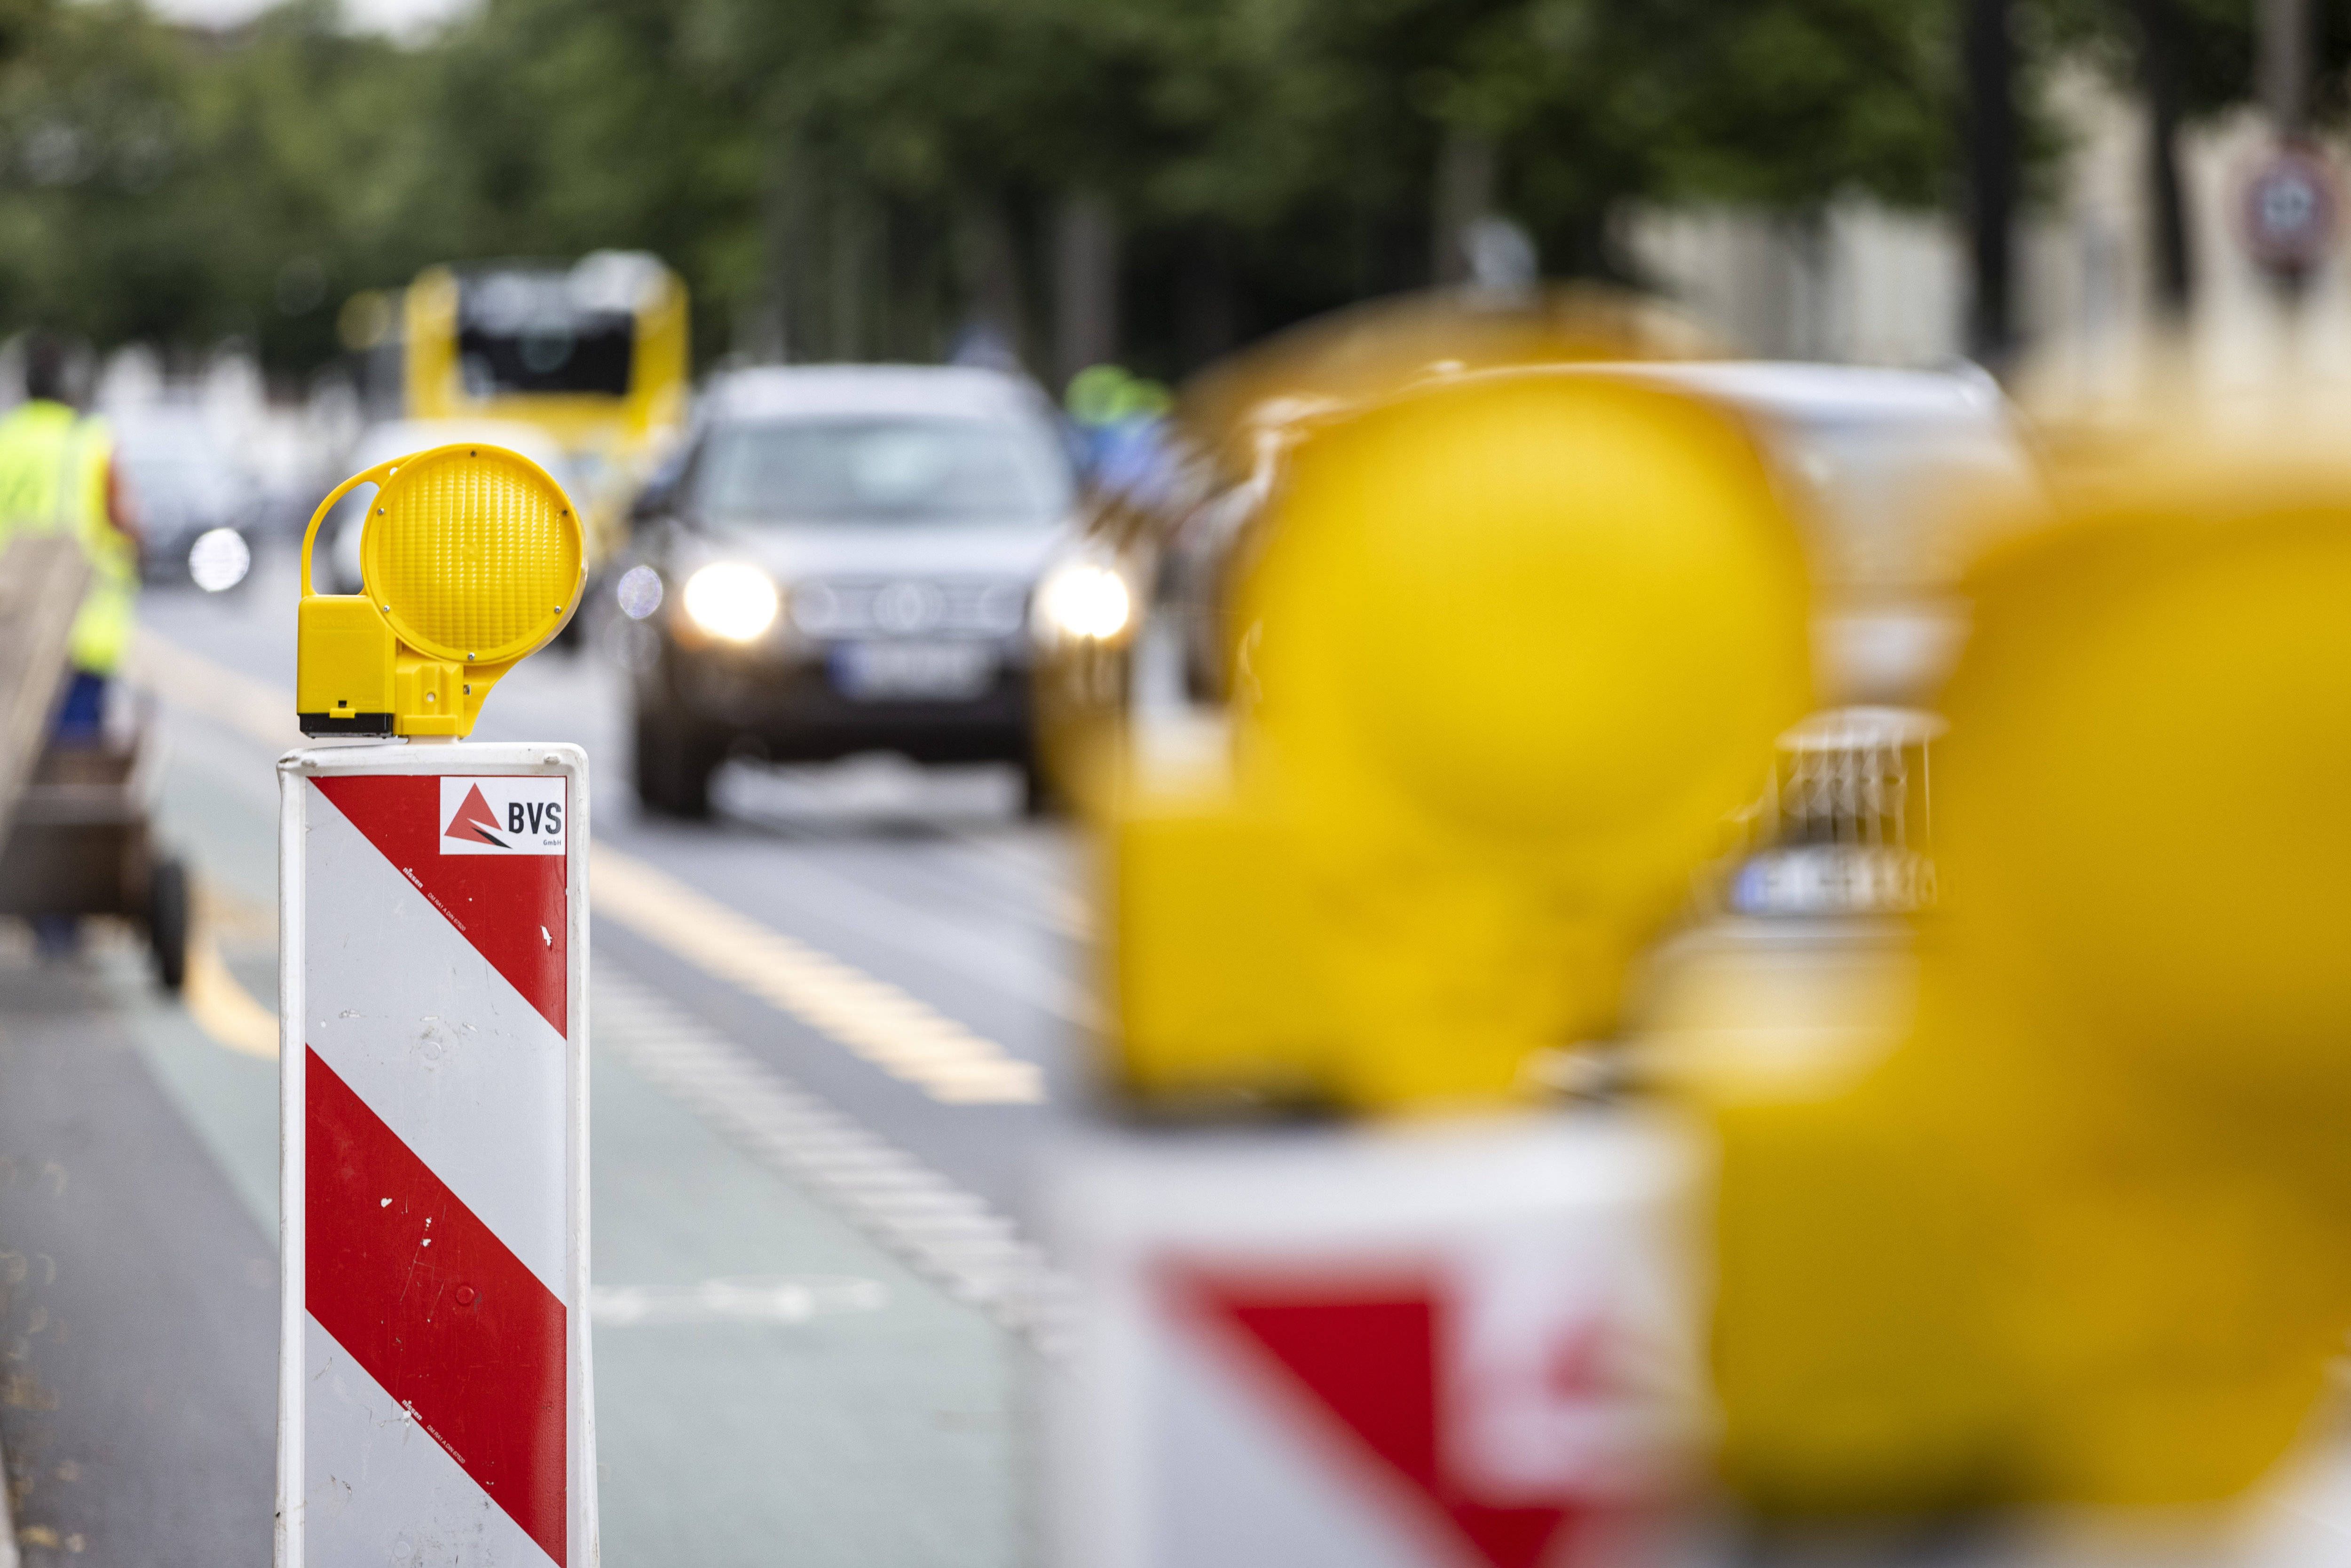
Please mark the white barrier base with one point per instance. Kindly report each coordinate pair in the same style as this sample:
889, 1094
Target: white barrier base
435, 1402
1459, 1343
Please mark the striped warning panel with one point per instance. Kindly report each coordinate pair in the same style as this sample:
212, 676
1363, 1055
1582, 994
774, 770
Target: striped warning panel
435, 1403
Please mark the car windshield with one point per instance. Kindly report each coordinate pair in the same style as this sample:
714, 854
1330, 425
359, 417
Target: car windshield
524, 332
882, 471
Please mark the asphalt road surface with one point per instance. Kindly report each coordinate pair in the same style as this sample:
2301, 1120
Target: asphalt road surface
811, 1281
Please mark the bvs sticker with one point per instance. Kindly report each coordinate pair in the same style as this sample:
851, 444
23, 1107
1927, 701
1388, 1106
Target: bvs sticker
494, 816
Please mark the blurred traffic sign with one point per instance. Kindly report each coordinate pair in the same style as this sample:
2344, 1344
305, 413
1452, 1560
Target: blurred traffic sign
2289, 211
435, 1396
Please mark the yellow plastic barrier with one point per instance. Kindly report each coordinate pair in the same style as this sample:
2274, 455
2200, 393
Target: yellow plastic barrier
2084, 1237
1516, 647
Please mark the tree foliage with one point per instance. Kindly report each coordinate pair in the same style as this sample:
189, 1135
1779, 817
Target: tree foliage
861, 176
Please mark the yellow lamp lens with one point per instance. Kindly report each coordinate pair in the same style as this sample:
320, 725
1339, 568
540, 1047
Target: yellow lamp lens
473, 552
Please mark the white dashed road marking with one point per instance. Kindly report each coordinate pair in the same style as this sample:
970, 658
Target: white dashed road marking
789, 1300
950, 1235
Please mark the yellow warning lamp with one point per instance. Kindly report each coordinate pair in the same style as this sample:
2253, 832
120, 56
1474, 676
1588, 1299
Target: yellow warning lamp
2083, 1235
1515, 648
472, 560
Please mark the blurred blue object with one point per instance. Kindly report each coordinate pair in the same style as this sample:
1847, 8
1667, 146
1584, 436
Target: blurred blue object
82, 714
1131, 457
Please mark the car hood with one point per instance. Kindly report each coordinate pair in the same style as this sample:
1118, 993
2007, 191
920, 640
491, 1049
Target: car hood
821, 550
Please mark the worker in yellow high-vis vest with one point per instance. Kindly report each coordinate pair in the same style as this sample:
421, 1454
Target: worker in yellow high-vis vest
57, 475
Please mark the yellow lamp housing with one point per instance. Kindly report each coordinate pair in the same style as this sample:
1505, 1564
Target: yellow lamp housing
1515, 647
471, 559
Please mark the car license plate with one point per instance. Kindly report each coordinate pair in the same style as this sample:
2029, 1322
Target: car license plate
882, 671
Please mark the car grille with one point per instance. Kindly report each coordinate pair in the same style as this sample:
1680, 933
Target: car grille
909, 607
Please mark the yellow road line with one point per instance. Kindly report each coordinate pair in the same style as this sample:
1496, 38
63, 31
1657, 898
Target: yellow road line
256, 709
221, 1008
214, 998
877, 1022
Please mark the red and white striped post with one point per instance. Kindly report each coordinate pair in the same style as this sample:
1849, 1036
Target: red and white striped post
435, 1401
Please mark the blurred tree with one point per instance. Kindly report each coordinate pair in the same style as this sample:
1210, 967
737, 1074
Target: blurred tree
92, 116
871, 177
558, 127
181, 189
304, 175
1778, 103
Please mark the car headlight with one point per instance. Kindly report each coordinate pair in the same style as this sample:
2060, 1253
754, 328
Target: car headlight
732, 600
1091, 602
219, 559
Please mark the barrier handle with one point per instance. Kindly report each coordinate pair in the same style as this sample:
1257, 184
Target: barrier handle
375, 475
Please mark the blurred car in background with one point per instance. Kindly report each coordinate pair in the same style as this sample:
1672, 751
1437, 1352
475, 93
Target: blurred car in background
844, 558
337, 554
1891, 472
1896, 475
1899, 479
199, 512
1144, 582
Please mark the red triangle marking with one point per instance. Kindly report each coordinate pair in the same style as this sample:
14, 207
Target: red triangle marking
1368, 1358
510, 907
474, 822
486, 1377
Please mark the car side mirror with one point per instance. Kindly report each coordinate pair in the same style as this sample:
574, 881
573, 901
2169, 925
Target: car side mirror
654, 502
659, 497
